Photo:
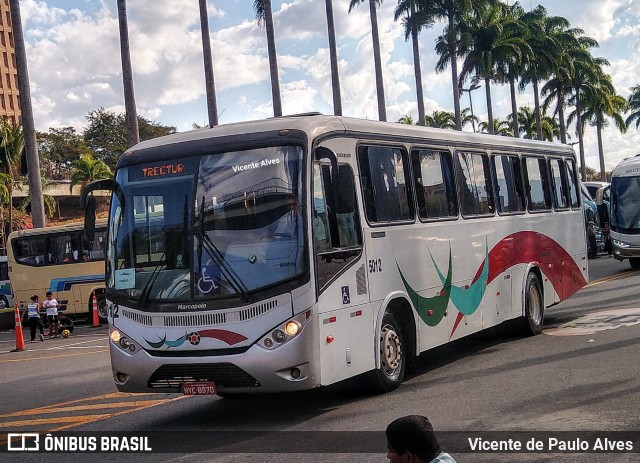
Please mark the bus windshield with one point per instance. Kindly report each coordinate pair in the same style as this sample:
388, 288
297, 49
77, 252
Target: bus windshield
625, 206
216, 226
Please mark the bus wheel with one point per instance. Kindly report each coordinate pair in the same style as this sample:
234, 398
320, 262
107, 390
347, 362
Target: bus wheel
4, 303
533, 306
102, 308
635, 263
392, 357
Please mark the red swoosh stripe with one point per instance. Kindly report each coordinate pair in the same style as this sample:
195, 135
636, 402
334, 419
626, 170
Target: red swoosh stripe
229, 337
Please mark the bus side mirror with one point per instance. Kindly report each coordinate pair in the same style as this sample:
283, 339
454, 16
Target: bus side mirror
600, 194
90, 219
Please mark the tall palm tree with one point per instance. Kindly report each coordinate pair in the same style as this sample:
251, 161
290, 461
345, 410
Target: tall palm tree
529, 125
210, 86
601, 105
87, 169
333, 58
448, 44
407, 120
382, 109
633, 103
546, 51
585, 79
127, 76
405, 9
441, 120
574, 47
495, 37
264, 15
12, 143
468, 118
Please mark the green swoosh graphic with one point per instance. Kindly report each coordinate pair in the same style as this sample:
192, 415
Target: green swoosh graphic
467, 300
177, 342
437, 304
156, 345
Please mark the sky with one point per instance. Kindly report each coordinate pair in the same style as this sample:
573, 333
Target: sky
73, 56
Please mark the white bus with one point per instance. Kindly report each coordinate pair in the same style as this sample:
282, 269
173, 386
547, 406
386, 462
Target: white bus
624, 204
296, 252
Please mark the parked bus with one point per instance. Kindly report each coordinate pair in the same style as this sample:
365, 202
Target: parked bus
59, 260
624, 204
6, 296
296, 252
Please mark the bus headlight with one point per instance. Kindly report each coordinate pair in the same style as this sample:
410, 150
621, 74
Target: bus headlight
123, 342
285, 332
621, 244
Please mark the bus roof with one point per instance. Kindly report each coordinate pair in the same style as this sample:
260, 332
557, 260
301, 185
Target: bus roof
315, 124
628, 167
70, 227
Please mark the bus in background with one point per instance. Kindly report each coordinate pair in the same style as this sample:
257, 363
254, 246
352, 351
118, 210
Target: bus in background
296, 252
59, 260
6, 296
624, 204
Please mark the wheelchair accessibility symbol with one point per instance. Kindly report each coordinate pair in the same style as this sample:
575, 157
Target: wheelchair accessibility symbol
207, 284
346, 299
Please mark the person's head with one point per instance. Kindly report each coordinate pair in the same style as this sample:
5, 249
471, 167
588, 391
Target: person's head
35, 298
49, 294
411, 439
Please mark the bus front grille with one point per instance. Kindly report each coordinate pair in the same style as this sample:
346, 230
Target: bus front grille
223, 374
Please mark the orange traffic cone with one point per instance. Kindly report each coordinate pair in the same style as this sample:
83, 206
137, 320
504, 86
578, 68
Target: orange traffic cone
19, 335
94, 306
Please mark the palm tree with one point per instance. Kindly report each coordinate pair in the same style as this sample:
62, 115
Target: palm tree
633, 103
264, 15
441, 120
127, 76
468, 118
87, 169
529, 125
382, 110
600, 105
500, 127
584, 82
12, 146
408, 120
333, 57
212, 105
495, 38
448, 44
545, 56
407, 8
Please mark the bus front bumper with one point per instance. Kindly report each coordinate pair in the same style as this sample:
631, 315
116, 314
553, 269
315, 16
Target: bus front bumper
289, 367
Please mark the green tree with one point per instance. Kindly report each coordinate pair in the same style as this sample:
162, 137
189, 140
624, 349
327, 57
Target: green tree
86, 169
264, 16
633, 103
106, 134
12, 146
58, 149
496, 37
500, 127
382, 110
408, 120
441, 120
406, 9
528, 125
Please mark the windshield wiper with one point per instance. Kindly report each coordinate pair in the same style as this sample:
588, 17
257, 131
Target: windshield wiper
144, 295
215, 253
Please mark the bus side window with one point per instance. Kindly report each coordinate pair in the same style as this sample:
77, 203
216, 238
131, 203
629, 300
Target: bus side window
337, 235
509, 188
573, 189
476, 197
385, 183
538, 188
435, 188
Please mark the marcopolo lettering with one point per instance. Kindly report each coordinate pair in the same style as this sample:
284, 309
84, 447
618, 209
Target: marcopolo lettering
191, 306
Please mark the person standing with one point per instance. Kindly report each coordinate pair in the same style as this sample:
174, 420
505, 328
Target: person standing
33, 318
411, 439
52, 313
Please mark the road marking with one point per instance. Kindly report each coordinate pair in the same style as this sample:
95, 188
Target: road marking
42, 416
53, 356
596, 322
611, 278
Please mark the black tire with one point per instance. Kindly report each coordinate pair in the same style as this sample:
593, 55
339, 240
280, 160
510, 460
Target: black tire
102, 308
393, 358
4, 303
533, 306
635, 263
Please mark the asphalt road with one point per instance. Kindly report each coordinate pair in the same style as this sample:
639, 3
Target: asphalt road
580, 375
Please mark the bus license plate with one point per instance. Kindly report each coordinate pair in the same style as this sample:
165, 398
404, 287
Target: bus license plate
198, 388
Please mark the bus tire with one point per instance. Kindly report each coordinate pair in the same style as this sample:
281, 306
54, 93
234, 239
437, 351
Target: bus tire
635, 263
102, 308
533, 306
4, 303
393, 358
